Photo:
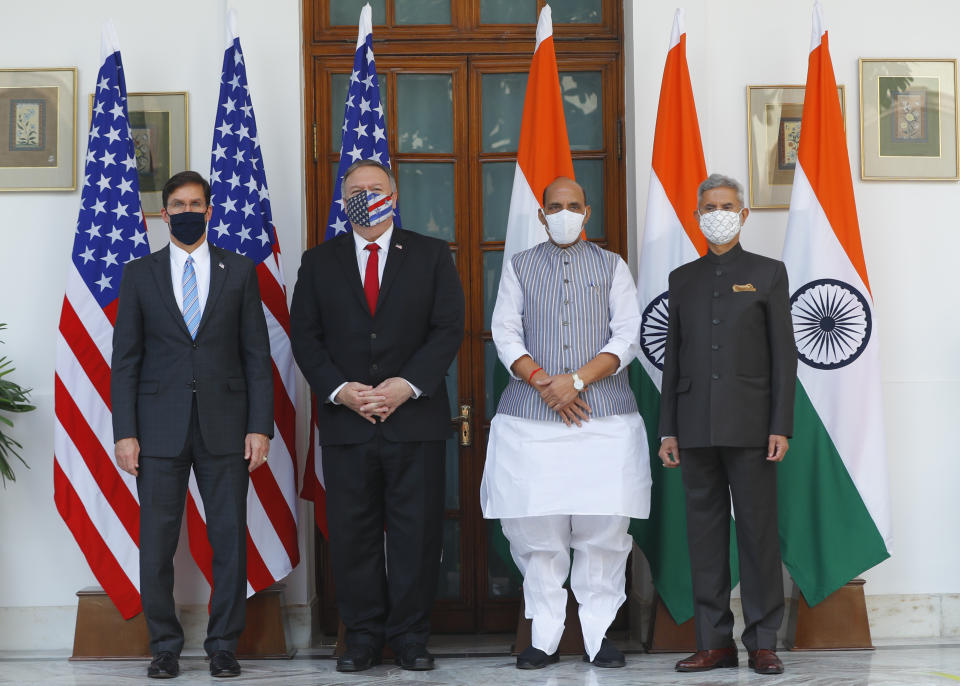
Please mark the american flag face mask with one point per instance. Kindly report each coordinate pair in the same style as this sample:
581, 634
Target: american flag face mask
366, 208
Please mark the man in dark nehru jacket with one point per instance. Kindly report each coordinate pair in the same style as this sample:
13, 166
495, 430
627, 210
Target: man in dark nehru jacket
377, 318
191, 387
726, 411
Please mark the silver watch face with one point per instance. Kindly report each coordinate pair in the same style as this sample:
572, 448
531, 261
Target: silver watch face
577, 382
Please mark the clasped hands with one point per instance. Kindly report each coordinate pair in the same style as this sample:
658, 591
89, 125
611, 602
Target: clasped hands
561, 397
378, 402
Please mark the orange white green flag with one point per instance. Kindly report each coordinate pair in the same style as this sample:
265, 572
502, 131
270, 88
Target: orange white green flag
543, 151
671, 238
834, 502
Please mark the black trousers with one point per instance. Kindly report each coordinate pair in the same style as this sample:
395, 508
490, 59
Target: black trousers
162, 488
710, 477
398, 487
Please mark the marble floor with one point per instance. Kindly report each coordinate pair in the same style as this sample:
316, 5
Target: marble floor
918, 665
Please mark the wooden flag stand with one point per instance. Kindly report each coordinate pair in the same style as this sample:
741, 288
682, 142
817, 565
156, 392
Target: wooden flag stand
101, 632
666, 636
839, 622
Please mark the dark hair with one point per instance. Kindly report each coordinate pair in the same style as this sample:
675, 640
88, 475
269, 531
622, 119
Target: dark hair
543, 199
182, 179
370, 163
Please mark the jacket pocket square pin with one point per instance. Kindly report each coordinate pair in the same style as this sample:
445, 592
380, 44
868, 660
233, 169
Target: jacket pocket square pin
744, 288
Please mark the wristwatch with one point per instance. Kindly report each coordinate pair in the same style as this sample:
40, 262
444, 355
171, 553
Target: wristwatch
578, 382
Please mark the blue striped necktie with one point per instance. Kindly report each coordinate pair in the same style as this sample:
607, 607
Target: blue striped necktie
191, 298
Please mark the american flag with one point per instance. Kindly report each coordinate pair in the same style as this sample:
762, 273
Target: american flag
364, 138
96, 499
242, 222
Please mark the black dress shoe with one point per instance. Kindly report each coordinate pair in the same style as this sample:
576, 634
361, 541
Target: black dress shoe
534, 658
415, 657
163, 666
607, 656
223, 663
358, 658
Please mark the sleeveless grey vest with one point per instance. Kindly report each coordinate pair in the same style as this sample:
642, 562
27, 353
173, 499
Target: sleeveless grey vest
566, 322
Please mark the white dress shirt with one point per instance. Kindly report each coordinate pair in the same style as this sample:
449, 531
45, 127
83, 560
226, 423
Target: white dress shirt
201, 267
363, 255
536, 468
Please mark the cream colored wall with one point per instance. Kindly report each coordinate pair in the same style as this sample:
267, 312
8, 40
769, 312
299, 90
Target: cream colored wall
908, 229
907, 234
176, 45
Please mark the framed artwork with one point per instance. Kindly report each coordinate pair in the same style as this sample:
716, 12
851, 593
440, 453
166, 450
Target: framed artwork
773, 137
908, 120
160, 126
38, 128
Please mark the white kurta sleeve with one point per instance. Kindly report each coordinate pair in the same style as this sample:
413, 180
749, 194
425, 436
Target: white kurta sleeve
624, 317
506, 325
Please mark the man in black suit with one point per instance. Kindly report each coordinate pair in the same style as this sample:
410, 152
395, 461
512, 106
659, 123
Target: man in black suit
726, 410
191, 386
377, 318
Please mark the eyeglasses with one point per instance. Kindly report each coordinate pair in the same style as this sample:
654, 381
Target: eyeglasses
181, 206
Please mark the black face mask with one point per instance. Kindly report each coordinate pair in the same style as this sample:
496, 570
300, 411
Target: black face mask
187, 227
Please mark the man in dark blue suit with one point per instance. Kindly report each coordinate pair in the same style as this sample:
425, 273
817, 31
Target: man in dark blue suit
377, 318
191, 387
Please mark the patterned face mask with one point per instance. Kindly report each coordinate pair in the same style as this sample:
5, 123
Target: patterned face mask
720, 226
366, 208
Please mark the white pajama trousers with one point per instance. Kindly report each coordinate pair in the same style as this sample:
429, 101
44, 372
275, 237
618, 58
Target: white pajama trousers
541, 548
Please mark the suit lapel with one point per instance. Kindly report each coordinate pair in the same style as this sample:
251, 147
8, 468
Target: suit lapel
218, 276
347, 254
160, 266
394, 264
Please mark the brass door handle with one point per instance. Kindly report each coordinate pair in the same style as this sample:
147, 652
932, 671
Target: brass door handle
466, 432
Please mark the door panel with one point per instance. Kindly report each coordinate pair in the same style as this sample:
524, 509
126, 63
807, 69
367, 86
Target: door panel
452, 76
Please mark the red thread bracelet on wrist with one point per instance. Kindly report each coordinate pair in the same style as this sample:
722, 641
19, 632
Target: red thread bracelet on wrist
530, 378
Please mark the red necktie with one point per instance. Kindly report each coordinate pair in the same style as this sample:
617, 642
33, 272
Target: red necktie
371, 279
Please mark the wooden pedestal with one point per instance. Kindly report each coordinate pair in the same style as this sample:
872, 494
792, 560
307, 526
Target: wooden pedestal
837, 623
265, 636
571, 643
666, 636
101, 633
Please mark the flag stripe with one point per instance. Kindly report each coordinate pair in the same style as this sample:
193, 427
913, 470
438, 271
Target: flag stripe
88, 356
277, 508
274, 299
827, 535
820, 149
677, 148
124, 594
99, 327
98, 462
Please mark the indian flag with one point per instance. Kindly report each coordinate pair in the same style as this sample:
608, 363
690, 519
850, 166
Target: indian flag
543, 154
833, 494
671, 238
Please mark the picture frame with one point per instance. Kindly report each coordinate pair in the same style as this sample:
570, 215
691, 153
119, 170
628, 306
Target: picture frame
161, 132
773, 135
38, 129
908, 120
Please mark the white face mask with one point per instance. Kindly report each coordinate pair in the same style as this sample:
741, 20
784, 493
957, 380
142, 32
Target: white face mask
564, 226
720, 226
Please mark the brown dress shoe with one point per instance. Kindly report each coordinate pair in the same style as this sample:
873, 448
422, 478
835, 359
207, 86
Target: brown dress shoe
702, 660
765, 661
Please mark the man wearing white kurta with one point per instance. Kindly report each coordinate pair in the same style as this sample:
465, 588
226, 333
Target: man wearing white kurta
567, 463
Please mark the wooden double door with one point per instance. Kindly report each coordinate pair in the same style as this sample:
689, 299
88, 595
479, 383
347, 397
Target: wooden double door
454, 97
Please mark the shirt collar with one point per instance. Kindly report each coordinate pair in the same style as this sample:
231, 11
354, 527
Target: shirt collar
383, 241
729, 256
179, 256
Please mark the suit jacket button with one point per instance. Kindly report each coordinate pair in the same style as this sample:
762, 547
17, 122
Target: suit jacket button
716, 321
714, 347
719, 272
195, 345
373, 336
373, 367
715, 376
716, 294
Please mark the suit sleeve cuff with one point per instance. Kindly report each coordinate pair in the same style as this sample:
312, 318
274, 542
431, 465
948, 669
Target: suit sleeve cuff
332, 398
416, 391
